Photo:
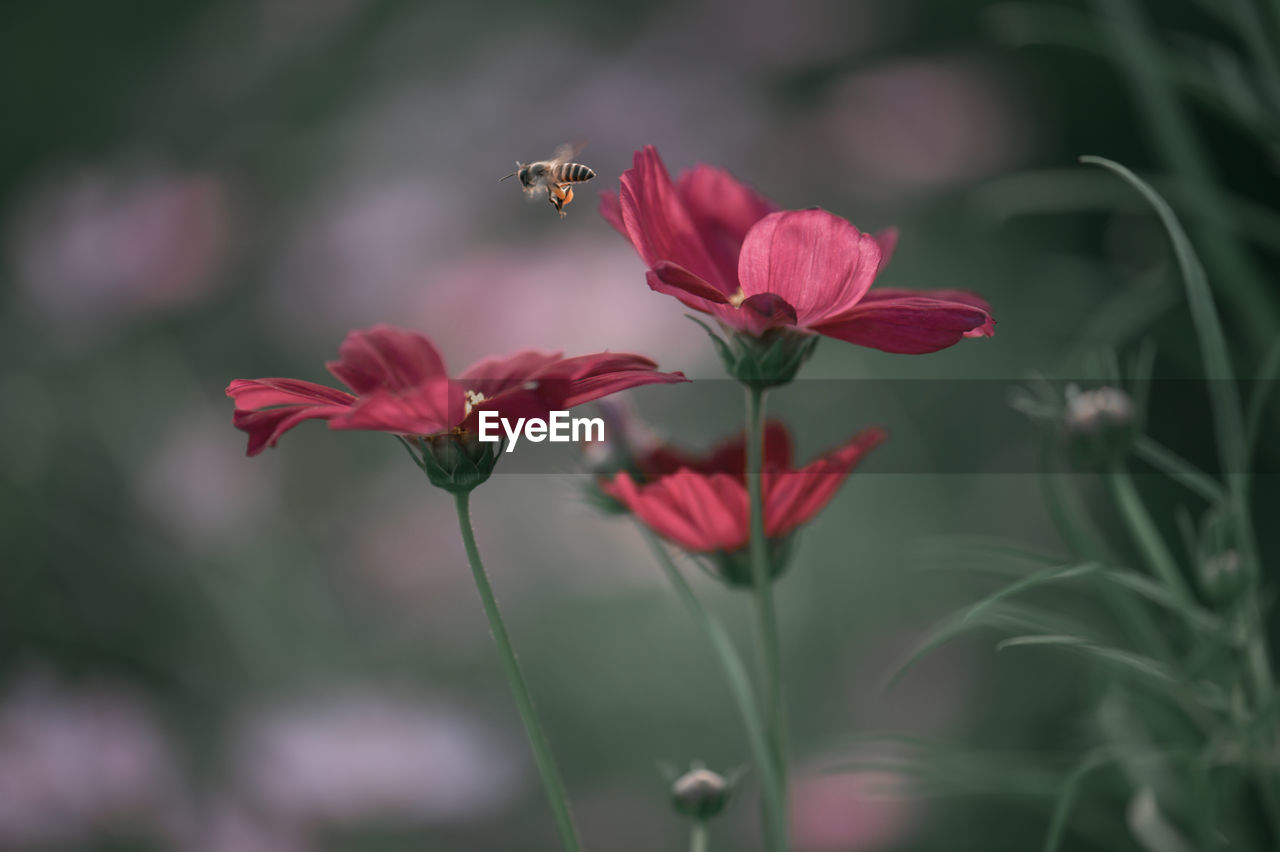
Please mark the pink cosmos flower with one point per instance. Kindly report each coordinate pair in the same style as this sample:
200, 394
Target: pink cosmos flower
703, 507
721, 249
401, 386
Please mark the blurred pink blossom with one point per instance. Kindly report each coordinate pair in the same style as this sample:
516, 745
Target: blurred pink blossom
916, 125
799, 34
74, 760
578, 292
359, 255
847, 812
348, 758
227, 826
98, 246
187, 484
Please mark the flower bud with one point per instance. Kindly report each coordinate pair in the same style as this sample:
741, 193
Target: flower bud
765, 360
1100, 424
457, 462
700, 793
1223, 577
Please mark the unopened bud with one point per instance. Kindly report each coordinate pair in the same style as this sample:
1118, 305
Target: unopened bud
700, 793
1223, 577
1100, 423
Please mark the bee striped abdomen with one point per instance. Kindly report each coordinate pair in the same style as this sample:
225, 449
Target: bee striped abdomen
573, 173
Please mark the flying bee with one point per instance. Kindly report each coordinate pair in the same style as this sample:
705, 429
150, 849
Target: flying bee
556, 176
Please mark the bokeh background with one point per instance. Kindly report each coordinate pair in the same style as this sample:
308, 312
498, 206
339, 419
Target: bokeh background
200, 651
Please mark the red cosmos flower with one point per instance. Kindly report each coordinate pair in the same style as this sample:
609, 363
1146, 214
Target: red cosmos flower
703, 506
721, 249
401, 386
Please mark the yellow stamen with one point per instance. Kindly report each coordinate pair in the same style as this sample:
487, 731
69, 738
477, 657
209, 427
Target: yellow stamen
738, 298
471, 400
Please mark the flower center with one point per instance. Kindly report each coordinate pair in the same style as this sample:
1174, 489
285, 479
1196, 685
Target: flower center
471, 400
738, 298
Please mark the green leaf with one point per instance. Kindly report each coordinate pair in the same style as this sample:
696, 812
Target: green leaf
1040, 578
1195, 615
1067, 796
1121, 659
1145, 533
1046, 192
990, 555
996, 558
1213, 344
1268, 373
1002, 616
936, 767
1213, 77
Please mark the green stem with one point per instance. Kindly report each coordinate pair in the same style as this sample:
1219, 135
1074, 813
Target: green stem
1263, 684
700, 837
1179, 469
762, 590
1145, 533
1253, 33
1176, 139
524, 701
1084, 539
740, 685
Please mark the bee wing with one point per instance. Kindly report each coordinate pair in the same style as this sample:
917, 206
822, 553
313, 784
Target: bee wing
568, 151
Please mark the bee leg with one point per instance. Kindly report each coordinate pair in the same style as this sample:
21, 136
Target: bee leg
559, 195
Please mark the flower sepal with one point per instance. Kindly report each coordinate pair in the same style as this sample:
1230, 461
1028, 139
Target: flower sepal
606, 504
765, 360
456, 462
734, 567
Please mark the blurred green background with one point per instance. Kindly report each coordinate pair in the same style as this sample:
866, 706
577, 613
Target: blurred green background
201, 651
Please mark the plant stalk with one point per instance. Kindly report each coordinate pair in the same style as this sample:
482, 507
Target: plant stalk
524, 701
740, 685
700, 837
762, 592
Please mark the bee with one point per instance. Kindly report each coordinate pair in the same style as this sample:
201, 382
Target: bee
555, 175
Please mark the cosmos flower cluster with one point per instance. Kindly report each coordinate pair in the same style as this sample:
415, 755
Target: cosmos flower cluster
773, 281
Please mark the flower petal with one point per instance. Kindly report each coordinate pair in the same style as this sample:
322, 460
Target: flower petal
386, 357
910, 324
674, 280
492, 376
964, 297
568, 382
659, 225
723, 209
887, 240
252, 394
726, 457
700, 513
818, 262
611, 210
764, 311
793, 498
594, 376
287, 402
428, 409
